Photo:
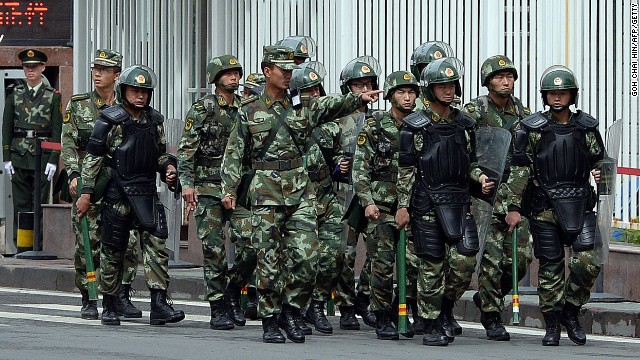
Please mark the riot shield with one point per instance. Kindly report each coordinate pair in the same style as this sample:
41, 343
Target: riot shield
492, 148
607, 191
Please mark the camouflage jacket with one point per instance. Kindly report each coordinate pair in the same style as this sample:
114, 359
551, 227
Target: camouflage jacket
486, 113
286, 185
93, 163
521, 176
22, 113
406, 175
82, 112
206, 132
323, 154
375, 166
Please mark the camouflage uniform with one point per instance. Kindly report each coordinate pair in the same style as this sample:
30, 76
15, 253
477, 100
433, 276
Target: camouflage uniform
494, 275
206, 131
283, 201
41, 112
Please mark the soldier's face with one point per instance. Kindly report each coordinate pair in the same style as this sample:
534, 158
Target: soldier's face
277, 77
559, 98
104, 77
444, 91
405, 97
136, 96
313, 91
33, 72
246, 93
229, 78
502, 81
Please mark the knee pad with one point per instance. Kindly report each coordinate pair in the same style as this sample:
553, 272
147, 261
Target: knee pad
470, 243
428, 239
546, 240
588, 237
115, 228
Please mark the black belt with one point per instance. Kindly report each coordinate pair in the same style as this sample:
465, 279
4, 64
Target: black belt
316, 176
388, 177
208, 162
30, 134
281, 165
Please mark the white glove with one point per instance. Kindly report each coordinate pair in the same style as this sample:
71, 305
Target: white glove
50, 170
8, 168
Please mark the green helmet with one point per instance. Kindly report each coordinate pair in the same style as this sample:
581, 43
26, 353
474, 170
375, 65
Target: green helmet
309, 74
360, 67
426, 53
219, 64
399, 79
139, 76
440, 71
254, 80
494, 65
558, 77
303, 46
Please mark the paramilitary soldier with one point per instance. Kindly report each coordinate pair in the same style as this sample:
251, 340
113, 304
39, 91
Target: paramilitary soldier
82, 112
359, 75
436, 162
253, 85
421, 57
375, 173
206, 132
282, 198
554, 153
304, 47
499, 109
32, 110
128, 141
325, 159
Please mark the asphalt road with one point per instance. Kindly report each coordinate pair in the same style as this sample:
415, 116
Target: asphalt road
45, 325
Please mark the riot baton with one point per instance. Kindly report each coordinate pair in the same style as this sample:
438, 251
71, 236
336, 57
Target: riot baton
401, 267
88, 253
514, 276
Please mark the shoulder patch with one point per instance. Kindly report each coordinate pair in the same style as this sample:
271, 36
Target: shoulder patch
67, 117
79, 97
362, 138
188, 124
535, 121
586, 120
417, 120
470, 108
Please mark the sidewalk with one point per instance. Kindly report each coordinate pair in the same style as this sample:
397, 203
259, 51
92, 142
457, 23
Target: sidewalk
601, 318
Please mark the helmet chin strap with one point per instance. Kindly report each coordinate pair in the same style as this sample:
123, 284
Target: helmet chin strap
402, 109
503, 94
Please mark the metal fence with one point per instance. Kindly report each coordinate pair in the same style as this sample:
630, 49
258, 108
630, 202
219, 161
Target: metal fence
596, 38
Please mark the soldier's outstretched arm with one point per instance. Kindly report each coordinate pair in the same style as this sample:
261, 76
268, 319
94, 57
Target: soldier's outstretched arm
329, 108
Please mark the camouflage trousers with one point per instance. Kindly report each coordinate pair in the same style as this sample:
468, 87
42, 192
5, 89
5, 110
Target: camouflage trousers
154, 254
130, 265
329, 245
382, 240
345, 290
495, 271
286, 243
243, 271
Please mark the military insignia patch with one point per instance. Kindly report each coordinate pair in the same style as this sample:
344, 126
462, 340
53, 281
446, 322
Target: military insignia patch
233, 61
449, 72
250, 78
188, 124
425, 102
67, 117
502, 62
437, 55
313, 76
406, 76
222, 101
99, 102
362, 138
30, 53
290, 55
140, 79
102, 54
303, 49
557, 81
365, 69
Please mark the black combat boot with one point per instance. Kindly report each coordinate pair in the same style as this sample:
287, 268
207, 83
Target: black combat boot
418, 322
161, 310
569, 319
492, 322
272, 333
287, 322
89, 310
433, 334
251, 312
219, 317
446, 320
315, 315
232, 304
109, 314
301, 323
124, 307
384, 327
362, 309
552, 321
348, 320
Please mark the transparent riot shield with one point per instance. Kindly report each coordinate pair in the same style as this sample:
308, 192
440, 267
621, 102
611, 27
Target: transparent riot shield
492, 148
607, 191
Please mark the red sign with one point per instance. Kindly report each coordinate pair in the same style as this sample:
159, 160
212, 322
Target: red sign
44, 22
